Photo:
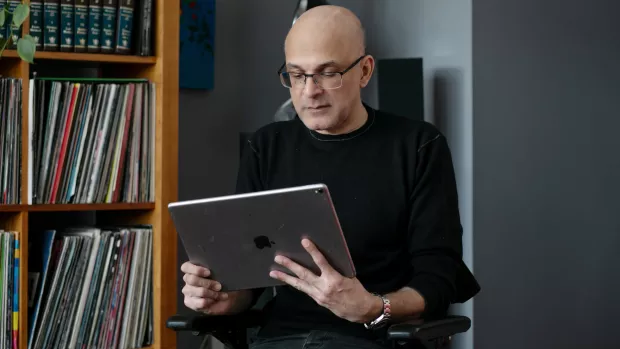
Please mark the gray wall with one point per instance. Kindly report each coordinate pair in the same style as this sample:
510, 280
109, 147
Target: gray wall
546, 170
544, 191
249, 38
248, 46
440, 32
209, 122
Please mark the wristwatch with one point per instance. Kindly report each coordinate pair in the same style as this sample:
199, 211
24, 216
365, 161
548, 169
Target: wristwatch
384, 317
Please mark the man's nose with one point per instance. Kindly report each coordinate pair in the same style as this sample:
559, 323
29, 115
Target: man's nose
311, 88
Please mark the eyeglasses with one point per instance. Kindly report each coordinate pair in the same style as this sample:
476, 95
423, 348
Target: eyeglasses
324, 80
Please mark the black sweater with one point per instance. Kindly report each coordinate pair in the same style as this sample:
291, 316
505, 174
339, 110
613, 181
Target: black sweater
393, 186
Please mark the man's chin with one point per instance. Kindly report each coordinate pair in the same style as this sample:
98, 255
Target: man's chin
316, 122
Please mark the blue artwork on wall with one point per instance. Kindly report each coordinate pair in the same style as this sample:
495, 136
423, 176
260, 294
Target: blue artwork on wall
196, 58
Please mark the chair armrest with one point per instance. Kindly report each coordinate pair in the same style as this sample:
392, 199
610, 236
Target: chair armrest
207, 324
428, 330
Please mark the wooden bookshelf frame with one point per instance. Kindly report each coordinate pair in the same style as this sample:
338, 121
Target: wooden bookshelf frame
162, 69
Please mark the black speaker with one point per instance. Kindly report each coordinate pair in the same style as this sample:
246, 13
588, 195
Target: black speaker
401, 86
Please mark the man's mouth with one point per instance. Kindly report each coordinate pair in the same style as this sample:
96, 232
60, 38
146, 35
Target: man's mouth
318, 107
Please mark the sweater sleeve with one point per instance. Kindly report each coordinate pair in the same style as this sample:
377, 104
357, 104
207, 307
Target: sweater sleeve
249, 174
435, 231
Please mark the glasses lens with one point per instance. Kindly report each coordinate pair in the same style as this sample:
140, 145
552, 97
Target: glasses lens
285, 79
329, 81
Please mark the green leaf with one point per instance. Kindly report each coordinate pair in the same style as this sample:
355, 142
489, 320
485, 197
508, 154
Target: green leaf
26, 48
3, 43
2, 17
20, 14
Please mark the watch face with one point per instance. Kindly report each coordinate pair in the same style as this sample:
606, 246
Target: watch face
378, 322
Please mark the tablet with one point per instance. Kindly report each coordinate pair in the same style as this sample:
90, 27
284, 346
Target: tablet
238, 236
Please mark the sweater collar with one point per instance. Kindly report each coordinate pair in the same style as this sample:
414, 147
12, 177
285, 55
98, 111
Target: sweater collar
350, 135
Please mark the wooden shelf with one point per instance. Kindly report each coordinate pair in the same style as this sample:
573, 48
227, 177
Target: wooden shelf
162, 70
11, 208
91, 207
85, 57
142, 206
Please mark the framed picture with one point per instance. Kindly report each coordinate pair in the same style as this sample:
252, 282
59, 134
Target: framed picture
196, 58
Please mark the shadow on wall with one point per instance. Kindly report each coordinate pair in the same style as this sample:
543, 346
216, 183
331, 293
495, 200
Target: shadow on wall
448, 115
447, 101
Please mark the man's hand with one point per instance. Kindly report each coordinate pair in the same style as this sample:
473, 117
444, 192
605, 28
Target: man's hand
203, 294
345, 297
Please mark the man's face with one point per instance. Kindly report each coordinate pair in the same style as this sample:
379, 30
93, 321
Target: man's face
323, 108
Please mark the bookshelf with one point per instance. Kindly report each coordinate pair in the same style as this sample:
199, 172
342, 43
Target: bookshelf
162, 70
86, 57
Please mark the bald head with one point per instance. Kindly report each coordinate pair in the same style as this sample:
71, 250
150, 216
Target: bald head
333, 29
328, 42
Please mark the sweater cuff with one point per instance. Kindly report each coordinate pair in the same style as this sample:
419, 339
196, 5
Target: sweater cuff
430, 288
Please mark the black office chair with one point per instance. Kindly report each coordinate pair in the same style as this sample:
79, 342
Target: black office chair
233, 330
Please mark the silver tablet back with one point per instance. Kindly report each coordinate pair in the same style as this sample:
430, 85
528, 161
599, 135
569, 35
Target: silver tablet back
238, 236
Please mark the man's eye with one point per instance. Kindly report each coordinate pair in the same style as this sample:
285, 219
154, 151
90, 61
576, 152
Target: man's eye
329, 74
296, 75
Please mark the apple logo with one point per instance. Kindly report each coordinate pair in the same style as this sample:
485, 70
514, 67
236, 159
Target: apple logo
263, 242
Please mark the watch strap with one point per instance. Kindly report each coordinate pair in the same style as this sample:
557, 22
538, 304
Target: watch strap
385, 314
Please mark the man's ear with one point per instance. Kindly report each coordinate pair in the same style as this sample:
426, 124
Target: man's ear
368, 67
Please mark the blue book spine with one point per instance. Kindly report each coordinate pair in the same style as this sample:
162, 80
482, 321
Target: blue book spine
124, 31
108, 26
36, 22
3, 30
80, 27
94, 25
51, 19
10, 26
66, 23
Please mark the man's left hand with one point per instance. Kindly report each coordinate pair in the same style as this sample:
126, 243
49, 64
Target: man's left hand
345, 297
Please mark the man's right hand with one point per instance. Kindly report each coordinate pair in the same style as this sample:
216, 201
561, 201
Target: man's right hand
203, 294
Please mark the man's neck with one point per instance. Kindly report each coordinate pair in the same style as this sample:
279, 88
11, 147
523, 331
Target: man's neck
357, 119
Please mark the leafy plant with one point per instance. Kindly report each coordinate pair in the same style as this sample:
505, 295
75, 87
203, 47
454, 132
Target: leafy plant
26, 45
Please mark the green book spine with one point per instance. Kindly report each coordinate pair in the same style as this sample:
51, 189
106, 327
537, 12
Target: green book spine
66, 23
124, 30
95, 10
36, 22
80, 25
51, 21
9, 25
108, 27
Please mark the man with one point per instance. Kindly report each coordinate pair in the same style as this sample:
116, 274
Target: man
393, 186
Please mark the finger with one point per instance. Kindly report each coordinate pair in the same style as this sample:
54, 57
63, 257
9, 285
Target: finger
197, 281
189, 268
200, 292
300, 271
199, 304
292, 281
317, 256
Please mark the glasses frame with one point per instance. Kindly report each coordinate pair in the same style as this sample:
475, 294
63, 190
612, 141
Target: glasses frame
306, 76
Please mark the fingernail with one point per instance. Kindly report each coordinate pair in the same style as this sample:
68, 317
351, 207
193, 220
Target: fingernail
218, 287
305, 243
224, 296
278, 259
